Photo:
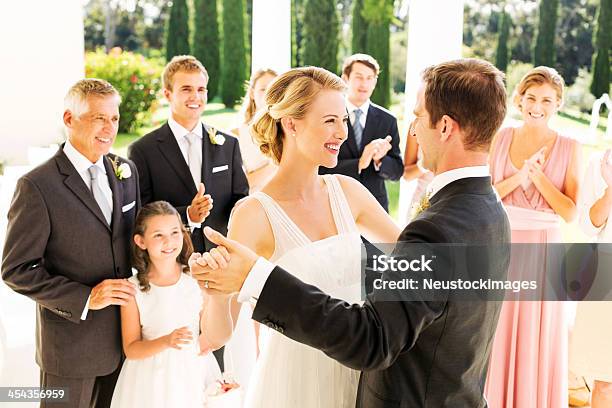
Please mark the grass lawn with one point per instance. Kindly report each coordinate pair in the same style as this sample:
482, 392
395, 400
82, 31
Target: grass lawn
574, 125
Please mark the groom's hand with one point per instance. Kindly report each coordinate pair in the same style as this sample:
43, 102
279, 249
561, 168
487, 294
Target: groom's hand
224, 268
200, 206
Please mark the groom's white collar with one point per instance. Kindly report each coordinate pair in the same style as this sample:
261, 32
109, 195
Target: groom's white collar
443, 179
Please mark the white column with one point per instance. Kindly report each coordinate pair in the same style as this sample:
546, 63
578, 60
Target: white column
435, 33
271, 46
42, 43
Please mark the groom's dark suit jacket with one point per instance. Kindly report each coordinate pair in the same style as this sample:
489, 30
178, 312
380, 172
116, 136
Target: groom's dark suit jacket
380, 123
413, 354
164, 175
58, 246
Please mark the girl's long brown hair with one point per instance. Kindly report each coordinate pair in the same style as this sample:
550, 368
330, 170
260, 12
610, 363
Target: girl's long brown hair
140, 257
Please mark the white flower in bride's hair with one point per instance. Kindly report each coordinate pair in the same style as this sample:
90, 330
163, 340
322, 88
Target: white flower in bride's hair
214, 137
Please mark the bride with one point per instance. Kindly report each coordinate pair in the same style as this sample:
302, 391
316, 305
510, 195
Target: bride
308, 224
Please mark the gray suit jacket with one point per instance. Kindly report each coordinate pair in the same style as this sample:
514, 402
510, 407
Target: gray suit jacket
412, 354
58, 246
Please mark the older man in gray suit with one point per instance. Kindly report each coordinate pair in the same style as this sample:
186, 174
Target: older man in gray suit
67, 248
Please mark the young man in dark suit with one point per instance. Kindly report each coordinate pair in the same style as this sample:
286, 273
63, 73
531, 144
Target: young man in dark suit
188, 163
419, 353
371, 153
68, 249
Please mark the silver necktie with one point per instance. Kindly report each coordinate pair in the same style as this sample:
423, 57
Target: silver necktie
357, 128
194, 158
107, 211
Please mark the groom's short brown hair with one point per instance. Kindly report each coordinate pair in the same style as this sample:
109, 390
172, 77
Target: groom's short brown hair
185, 63
470, 91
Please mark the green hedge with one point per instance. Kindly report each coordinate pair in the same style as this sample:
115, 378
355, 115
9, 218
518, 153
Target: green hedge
137, 79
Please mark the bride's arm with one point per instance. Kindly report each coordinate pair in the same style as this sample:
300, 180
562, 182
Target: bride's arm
372, 220
249, 225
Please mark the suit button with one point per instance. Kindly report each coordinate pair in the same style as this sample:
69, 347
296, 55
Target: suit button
280, 329
271, 325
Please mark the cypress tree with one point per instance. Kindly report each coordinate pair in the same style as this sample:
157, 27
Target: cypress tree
177, 32
234, 52
602, 42
359, 28
206, 42
297, 19
378, 15
544, 49
501, 54
321, 30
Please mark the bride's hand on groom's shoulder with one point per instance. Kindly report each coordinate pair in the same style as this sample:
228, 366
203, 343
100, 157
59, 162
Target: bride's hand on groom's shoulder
224, 268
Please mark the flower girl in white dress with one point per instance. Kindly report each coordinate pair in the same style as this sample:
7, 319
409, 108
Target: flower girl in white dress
308, 224
165, 366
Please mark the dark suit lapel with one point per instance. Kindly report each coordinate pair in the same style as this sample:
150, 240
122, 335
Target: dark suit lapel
351, 142
371, 127
75, 183
172, 152
207, 158
117, 189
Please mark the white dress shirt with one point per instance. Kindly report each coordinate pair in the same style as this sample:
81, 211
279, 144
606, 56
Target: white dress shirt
180, 132
82, 165
592, 190
443, 179
351, 111
257, 277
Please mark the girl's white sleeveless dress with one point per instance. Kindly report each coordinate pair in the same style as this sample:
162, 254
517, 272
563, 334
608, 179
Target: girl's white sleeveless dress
289, 374
172, 378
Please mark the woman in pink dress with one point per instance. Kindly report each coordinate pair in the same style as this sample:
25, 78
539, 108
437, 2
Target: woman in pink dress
535, 171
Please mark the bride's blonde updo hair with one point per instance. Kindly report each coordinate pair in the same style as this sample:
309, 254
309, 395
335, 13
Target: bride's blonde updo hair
289, 95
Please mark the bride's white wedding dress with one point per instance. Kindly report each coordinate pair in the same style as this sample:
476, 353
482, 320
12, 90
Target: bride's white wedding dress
289, 374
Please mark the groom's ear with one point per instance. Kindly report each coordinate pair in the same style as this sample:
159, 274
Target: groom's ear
447, 126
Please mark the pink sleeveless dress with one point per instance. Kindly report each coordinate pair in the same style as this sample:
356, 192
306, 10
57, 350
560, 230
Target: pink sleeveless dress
528, 365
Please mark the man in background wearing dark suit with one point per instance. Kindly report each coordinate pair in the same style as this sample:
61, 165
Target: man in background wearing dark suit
412, 353
187, 163
371, 153
67, 248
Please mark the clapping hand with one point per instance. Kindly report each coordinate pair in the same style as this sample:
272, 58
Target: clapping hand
534, 165
201, 205
178, 337
224, 268
375, 150
530, 167
381, 148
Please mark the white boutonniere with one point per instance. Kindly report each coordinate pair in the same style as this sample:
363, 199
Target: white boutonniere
122, 171
214, 137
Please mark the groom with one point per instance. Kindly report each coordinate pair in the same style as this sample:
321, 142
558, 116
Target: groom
412, 354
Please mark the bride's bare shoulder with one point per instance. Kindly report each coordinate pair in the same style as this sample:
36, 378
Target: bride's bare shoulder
249, 225
353, 189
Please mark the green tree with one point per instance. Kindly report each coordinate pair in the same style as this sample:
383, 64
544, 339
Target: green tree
378, 15
297, 23
544, 48
177, 33
234, 52
206, 42
321, 30
573, 42
501, 54
359, 28
603, 42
